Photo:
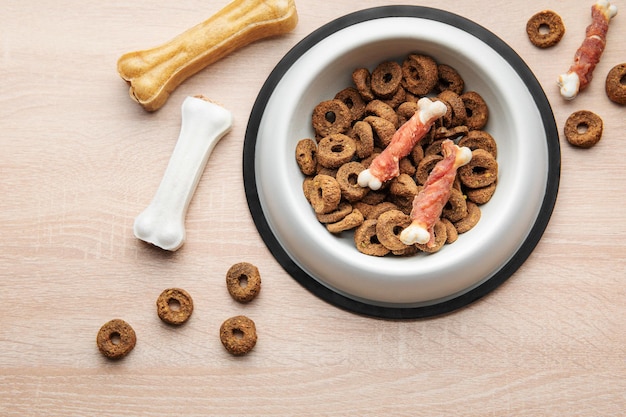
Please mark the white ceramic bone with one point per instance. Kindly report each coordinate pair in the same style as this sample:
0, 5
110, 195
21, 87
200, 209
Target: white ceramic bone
162, 223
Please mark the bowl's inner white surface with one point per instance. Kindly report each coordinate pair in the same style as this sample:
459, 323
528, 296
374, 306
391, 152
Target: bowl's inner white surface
514, 122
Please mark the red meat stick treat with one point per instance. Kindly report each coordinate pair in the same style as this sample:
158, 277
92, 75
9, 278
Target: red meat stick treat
386, 165
588, 54
428, 204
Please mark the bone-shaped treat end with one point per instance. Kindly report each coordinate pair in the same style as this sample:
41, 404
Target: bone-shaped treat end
414, 233
153, 74
162, 223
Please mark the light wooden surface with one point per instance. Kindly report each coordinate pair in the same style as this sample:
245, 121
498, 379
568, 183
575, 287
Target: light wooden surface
79, 161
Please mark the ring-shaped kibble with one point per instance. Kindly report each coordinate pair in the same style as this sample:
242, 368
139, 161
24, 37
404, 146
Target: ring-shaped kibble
325, 194
382, 129
362, 79
583, 128
388, 228
405, 204
434, 148
384, 110
352, 99
366, 241
306, 150
449, 79
341, 212
352, 220
481, 170
545, 29
405, 111
468, 222
380, 208
238, 335
615, 84
406, 166
116, 339
363, 137
375, 197
335, 150
403, 186
386, 79
398, 98
174, 306
451, 234
441, 237
331, 116
456, 207
480, 139
476, 110
425, 166
451, 133
420, 74
459, 113
347, 176
243, 282
481, 195
417, 154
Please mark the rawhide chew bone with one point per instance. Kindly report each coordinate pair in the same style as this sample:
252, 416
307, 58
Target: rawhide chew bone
588, 54
386, 165
162, 223
154, 73
428, 204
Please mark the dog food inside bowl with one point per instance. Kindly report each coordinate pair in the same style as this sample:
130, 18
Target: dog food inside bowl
357, 124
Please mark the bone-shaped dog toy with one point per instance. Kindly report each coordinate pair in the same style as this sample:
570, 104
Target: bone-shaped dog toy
154, 73
162, 223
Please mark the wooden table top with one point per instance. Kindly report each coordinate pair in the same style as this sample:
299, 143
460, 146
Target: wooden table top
80, 160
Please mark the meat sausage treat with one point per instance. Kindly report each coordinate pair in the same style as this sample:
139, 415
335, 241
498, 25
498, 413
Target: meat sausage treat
588, 54
386, 165
430, 201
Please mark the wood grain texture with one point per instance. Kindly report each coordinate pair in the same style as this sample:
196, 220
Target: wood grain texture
80, 160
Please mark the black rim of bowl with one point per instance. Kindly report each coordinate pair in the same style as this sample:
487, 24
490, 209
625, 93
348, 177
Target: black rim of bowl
360, 307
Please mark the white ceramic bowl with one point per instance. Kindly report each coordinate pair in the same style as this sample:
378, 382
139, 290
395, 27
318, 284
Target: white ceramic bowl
520, 120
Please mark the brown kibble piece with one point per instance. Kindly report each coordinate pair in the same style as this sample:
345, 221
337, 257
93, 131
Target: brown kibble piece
388, 228
362, 79
352, 220
116, 339
386, 79
243, 282
331, 116
352, 99
583, 129
366, 240
342, 211
481, 195
449, 79
545, 29
472, 218
481, 171
476, 110
347, 176
615, 84
335, 150
325, 194
456, 207
306, 158
451, 234
420, 74
479, 139
174, 306
238, 335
